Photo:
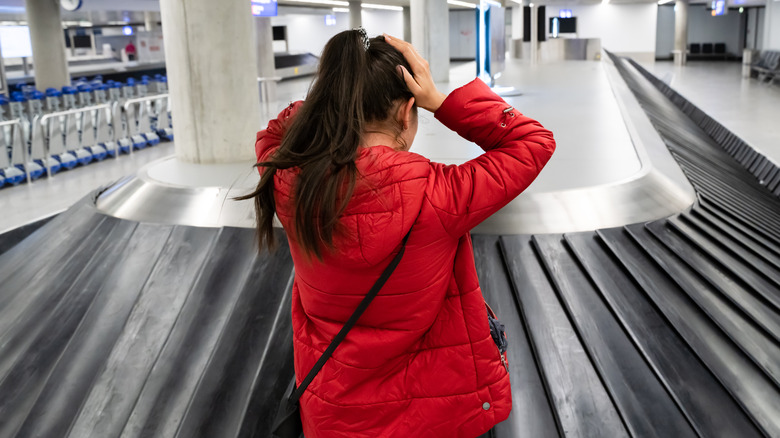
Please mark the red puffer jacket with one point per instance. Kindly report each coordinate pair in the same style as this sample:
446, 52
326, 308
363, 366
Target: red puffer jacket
420, 361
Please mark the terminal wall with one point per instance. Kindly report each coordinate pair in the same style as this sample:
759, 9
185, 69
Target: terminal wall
377, 22
772, 26
307, 31
702, 28
631, 30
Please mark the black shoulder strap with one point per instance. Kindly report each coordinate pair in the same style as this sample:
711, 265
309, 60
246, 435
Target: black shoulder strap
351, 321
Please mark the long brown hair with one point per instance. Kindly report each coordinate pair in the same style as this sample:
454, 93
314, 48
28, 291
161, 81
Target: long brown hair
354, 85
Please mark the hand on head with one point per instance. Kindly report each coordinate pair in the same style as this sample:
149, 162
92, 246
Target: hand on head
421, 84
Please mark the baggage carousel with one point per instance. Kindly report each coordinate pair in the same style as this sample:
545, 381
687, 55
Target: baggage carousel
667, 327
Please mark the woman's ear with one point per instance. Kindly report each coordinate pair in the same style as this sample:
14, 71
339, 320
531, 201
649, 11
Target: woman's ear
405, 113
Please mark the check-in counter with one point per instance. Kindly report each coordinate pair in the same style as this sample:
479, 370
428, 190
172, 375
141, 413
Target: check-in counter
558, 49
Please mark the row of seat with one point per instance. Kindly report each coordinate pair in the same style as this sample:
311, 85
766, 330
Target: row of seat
767, 68
707, 49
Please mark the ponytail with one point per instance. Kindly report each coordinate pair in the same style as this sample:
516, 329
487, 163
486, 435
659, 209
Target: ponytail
356, 83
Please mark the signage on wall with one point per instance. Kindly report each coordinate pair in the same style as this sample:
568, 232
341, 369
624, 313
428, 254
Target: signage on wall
264, 8
719, 7
330, 20
15, 41
150, 47
564, 13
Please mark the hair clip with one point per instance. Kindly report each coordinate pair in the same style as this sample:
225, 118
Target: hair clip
364, 36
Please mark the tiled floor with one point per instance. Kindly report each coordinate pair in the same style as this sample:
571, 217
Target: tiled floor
747, 107
571, 98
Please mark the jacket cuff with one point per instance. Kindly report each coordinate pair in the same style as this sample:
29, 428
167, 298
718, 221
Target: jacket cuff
451, 110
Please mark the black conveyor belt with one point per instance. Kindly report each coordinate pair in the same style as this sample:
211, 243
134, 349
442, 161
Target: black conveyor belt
670, 328
114, 328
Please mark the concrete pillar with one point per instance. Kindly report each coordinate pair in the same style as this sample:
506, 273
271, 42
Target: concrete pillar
355, 20
48, 43
431, 35
266, 70
771, 37
534, 34
151, 21
212, 77
517, 31
517, 21
680, 32
407, 24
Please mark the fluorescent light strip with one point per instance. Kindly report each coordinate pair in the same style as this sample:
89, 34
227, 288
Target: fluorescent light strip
384, 7
341, 10
663, 2
321, 2
460, 3
77, 23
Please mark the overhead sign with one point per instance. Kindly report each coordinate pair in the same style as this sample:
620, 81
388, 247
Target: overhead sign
719, 7
264, 8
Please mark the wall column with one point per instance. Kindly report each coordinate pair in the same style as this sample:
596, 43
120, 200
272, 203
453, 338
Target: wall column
534, 34
355, 20
407, 24
151, 21
771, 35
430, 21
48, 43
680, 32
212, 76
517, 31
264, 46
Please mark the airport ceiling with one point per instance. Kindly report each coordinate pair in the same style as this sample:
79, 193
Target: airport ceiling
17, 6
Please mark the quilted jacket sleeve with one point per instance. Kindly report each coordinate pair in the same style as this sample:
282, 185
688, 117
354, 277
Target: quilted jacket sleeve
271, 137
516, 149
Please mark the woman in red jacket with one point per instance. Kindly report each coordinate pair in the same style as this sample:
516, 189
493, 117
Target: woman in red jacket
337, 173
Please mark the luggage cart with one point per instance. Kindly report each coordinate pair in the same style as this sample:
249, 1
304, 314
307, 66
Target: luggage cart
88, 125
18, 146
72, 131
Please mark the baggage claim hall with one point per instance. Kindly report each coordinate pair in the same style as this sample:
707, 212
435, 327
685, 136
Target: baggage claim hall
638, 278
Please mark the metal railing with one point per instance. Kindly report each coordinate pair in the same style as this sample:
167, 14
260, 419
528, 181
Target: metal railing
44, 124
113, 125
141, 100
265, 89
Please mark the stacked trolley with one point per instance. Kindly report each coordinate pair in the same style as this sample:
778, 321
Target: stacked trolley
42, 133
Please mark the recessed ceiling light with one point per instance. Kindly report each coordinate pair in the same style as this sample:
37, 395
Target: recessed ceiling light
460, 3
322, 2
385, 7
